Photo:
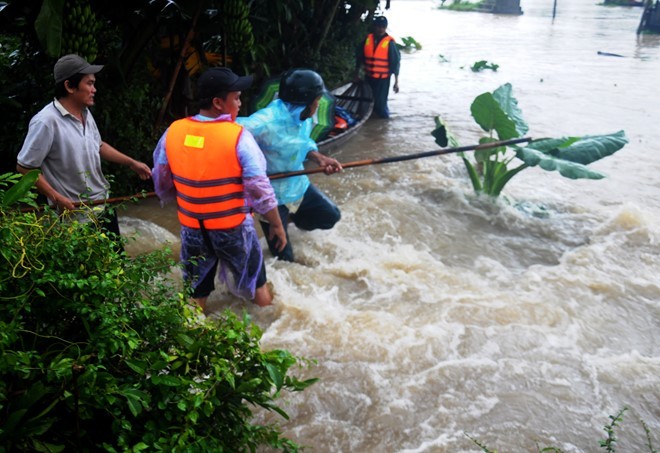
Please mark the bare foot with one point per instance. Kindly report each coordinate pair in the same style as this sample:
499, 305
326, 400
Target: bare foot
263, 296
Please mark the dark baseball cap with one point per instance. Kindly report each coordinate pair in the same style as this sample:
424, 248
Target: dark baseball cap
72, 64
380, 21
216, 80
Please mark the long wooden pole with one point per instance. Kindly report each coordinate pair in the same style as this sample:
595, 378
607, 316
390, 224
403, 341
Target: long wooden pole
387, 160
359, 163
98, 202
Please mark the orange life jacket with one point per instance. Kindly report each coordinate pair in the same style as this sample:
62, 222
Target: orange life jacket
376, 59
206, 171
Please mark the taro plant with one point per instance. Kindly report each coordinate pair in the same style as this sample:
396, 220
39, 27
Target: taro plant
498, 114
101, 352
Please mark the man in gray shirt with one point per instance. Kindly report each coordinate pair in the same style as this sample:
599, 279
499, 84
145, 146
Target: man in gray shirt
64, 142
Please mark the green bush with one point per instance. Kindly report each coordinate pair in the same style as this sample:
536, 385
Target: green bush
100, 352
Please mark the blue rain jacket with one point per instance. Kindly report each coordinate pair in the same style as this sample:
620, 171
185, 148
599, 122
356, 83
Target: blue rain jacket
285, 142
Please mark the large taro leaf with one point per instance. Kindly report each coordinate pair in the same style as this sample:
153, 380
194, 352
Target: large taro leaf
590, 148
488, 113
570, 155
442, 135
499, 112
504, 96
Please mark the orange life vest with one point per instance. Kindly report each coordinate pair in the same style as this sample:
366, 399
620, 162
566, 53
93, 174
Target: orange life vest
376, 58
206, 171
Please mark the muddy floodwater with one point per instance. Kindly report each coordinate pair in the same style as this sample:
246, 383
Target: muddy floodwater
433, 315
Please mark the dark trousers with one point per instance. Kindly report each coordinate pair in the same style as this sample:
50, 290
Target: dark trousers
108, 222
380, 89
316, 211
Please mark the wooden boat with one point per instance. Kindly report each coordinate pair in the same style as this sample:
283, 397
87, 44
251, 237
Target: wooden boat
353, 98
356, 99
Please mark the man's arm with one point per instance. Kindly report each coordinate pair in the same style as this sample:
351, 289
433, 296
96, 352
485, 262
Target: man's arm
328, 164
395, 63
113, 155
44, 187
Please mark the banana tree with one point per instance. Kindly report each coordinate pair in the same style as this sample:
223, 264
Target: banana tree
498, 114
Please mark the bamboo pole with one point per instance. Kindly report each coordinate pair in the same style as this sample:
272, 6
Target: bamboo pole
387, 160
98, 202
359, 163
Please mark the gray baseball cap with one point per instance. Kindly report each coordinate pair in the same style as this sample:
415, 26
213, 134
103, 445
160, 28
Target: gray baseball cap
72, 64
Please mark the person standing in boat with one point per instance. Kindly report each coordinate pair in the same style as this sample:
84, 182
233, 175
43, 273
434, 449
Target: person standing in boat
216, 172
381, 59
282, 130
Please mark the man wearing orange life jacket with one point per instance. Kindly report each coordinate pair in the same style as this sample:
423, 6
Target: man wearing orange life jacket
216, 172
381, 58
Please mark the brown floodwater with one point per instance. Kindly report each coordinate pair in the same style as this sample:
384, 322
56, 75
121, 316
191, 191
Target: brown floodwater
433, 315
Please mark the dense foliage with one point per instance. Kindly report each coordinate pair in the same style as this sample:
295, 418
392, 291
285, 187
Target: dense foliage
154, 50
102, 352
498, 114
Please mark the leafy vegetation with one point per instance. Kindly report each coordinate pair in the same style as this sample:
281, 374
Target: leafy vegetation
498, 114
480, 65
153, 51
409, 44
608, 444
462, 5
103, 352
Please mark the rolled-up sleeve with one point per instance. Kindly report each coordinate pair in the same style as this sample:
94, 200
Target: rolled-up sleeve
259, 192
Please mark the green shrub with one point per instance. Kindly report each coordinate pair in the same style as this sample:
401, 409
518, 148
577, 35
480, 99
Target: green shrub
100, 352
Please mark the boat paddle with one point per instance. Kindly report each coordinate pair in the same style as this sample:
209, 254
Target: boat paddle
387, 160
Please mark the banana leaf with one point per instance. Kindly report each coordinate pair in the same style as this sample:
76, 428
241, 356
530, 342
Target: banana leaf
49, 26
570, 155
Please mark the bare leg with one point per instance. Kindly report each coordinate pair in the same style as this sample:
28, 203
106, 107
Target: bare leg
262, 296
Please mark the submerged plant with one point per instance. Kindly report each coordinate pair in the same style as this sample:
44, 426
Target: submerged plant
498, 114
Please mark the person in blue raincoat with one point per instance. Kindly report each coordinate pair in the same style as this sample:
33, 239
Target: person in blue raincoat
282, 129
